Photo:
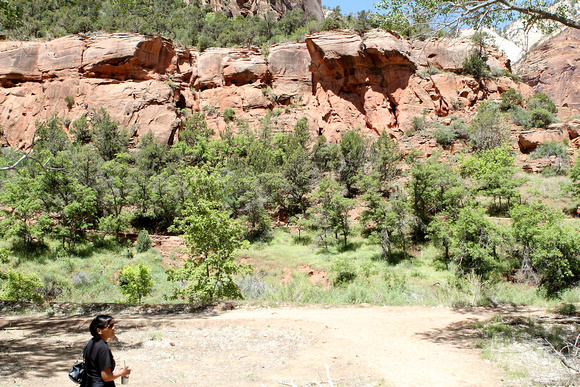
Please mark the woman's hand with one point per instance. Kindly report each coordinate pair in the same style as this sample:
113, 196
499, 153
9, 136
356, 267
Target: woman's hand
109, 376
125, 371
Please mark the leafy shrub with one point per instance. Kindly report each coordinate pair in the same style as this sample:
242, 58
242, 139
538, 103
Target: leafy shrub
4, 256
229, 114
553, 149
419, 123
542, 101
70, 101
486, 130
444, 135
143, 241
567, 309
136, 282
345, 272
550, 149
521, 117
510, 100
475, 242
459, 128
476, 66
541, 117
426, 73
21, 287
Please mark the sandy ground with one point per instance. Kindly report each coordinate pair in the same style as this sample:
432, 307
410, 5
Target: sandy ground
264, 346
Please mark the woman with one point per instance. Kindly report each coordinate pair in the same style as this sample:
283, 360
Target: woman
99, 361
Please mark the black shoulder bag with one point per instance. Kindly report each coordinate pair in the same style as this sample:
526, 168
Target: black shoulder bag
78, 371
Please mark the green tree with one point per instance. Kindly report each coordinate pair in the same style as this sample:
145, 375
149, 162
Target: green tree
20, 287
549, 248
108, 138
385, 157
50, 136
136, 282
574, 175
493, 173
476, 66
212, 238
81, 130
434, 187
23, 215
299, 178
351, 162
143, 243
386, 222
330, 215
475, 243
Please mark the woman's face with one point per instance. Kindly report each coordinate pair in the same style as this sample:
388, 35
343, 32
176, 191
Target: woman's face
107, 332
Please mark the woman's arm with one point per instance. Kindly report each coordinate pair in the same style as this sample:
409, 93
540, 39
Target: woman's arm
109, 376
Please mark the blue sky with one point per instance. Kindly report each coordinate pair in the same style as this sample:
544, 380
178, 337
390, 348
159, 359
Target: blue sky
347, 6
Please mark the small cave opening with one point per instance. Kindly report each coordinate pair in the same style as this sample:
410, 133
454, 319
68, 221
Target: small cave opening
180, 104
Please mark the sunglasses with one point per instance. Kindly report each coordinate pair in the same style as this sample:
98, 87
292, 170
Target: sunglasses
111, 326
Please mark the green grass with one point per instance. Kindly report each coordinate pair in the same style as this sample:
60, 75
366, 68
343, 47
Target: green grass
355, 275
90, 274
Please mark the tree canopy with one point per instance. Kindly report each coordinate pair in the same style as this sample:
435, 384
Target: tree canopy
449, 15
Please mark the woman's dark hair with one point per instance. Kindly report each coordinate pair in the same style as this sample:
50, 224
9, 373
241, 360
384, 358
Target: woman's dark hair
100, 322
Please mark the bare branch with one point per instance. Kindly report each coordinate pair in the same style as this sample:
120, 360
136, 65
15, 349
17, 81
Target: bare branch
561, 357
328, 375
27, 156
540, 13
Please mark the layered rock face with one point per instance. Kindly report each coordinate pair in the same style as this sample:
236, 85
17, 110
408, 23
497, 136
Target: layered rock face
550, 68
337, 80
374, 82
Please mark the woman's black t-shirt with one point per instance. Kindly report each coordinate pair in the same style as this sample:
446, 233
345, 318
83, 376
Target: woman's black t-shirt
98, 357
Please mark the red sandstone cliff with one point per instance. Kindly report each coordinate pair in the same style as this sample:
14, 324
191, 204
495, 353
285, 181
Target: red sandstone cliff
338, 80
551, 68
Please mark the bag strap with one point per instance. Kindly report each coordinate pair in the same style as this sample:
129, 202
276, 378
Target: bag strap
83, 351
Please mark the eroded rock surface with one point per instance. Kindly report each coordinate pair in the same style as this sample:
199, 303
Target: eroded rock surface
338, 80
551, 68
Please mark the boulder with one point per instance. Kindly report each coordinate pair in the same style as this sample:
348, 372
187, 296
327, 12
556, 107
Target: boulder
529, 140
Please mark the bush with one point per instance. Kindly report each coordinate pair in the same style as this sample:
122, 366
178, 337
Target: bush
521, 117
4, 256
345, 272
542, 101
21, 287
511, 99
459, 128
550, 149
476, 66
541, 117
70, 101
136, 282
486, 130
426, 73
553, 149
444, 135
143, 241
229, 114
419, 123
567, 310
